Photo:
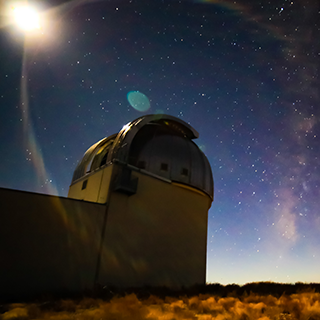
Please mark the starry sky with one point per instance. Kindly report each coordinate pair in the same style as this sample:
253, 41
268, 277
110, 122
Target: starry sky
244, 74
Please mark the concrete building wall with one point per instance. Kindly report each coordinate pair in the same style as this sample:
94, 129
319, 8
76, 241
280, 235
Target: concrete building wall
157, 236
47, 243
96, 188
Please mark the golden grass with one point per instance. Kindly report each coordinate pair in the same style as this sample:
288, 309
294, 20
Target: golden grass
298, 306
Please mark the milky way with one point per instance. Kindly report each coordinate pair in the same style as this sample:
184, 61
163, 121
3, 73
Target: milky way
244, 75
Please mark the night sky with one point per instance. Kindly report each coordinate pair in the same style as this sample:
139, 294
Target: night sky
244, 74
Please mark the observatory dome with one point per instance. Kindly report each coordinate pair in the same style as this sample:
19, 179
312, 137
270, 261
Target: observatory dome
160, 145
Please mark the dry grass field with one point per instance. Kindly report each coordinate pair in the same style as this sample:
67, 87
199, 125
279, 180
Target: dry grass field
237, 304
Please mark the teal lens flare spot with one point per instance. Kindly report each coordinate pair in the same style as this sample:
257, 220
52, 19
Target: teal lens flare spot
138, 101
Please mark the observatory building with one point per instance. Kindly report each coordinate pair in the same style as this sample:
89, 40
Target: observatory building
136, 215
158, 187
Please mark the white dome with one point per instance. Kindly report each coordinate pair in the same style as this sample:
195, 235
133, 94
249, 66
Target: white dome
159, 144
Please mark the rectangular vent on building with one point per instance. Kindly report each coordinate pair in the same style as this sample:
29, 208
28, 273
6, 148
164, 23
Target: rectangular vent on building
84, 184
164, 167
184, 172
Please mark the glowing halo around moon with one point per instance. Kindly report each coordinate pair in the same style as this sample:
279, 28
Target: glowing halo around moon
26, 17
138, 101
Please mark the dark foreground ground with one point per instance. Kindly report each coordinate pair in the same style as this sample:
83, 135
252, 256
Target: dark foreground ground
258, 301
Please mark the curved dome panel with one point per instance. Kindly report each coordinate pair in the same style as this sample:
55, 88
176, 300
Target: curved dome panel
167, 153
159, 144
122, 143
94, 157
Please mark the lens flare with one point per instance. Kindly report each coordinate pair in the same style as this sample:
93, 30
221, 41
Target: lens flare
138, 101
31, 144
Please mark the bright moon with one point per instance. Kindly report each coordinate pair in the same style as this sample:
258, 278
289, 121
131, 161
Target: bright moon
27, 18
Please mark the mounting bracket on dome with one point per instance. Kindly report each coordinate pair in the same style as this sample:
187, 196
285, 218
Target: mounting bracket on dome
124, 183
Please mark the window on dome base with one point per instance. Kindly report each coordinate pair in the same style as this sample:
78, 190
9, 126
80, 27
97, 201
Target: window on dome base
164, 167
84, 184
